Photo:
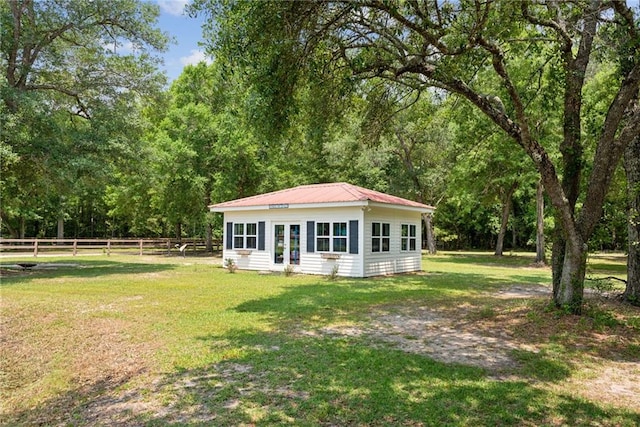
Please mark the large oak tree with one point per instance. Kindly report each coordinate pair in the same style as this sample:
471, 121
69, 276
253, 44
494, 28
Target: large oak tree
423, 45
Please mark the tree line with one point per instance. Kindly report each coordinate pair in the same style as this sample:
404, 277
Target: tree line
518, 121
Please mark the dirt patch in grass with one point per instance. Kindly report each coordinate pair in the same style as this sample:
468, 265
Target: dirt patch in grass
438, 334
523, 339
523, 291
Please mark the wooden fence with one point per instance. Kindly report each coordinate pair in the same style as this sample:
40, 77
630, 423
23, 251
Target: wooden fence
106, 246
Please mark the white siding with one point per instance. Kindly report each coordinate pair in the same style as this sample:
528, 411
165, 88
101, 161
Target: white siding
256, 260
310, 263
363, 264
396, 260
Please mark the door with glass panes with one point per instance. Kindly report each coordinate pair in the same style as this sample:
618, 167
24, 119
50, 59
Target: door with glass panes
286, 241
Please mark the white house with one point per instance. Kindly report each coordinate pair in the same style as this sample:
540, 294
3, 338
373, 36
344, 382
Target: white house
314, 228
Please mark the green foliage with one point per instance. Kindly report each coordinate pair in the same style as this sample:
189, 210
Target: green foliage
40, 39
289, 102
546, 365
198, 151
69, 128
602, 318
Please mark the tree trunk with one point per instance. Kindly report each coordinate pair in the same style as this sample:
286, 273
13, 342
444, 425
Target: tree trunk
61, 227
431, 243
178, 231
209, 238
557, 260
22, 227
570, 289
209, 228
540, 255
632, 169
506, 208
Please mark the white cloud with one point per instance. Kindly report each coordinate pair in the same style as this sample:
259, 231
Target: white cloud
195, 57
120, 47
173, 7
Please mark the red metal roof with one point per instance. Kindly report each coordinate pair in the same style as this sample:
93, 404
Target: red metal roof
339, 192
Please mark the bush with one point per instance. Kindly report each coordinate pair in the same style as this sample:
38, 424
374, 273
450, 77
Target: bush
230, 265
334, 273
289, 270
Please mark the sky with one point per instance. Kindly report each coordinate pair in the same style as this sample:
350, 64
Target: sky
186, 31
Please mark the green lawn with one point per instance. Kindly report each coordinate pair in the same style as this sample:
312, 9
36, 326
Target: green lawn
165, 341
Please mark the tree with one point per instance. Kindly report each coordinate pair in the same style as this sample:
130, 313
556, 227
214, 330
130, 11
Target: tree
541, 257
85, 51
422, 139
200, 150
72, 74
489, 166
422, 45
632, 168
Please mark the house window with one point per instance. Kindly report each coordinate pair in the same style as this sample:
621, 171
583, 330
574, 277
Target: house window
380, 232
323, 233
331, 237
408, 237
339, 237
245, 236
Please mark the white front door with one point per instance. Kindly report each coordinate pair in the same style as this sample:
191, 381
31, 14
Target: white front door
286, 241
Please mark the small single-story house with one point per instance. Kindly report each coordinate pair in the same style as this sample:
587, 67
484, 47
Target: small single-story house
314, 228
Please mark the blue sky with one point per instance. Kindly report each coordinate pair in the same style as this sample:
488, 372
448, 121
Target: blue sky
186, 31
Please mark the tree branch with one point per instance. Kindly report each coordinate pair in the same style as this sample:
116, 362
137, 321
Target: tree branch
83, 110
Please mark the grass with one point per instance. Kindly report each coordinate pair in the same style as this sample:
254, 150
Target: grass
161, 341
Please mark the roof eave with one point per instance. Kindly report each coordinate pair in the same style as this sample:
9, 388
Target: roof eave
421, 209
358, 203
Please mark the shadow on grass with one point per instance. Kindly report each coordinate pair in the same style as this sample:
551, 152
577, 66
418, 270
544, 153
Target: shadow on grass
280, 379
79, 269
607, 268
596, 264
85, 405
344, 381
484, 259
601, 331
328, 300
542, 366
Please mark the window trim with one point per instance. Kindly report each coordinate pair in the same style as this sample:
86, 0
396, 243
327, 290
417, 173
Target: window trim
408, 241
245, 236
332, 236
381, 238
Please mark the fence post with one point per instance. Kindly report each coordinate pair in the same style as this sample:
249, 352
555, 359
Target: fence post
168, 247
140, 247
108, 247
75, 247
35, 248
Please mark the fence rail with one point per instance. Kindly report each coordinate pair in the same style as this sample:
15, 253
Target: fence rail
139, 246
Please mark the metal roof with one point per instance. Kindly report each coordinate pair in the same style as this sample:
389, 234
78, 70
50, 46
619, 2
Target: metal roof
318, 194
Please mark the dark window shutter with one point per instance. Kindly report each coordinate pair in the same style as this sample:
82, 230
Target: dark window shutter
229, 235
311, 236
261, 230
353, 237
